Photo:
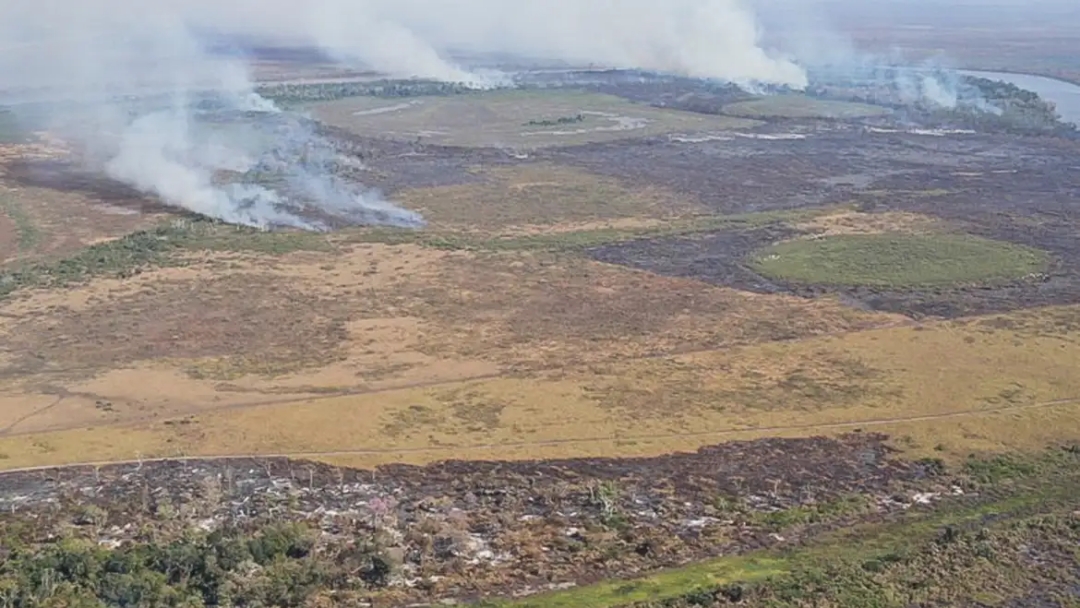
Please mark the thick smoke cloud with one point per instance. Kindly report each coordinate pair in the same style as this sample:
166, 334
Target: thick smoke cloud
99, 54
144, 102
702, 38
103, 58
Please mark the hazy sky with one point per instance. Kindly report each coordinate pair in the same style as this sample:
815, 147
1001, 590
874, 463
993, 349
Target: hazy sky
720, 38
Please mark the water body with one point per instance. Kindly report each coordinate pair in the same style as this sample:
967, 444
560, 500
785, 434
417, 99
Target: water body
1065, 95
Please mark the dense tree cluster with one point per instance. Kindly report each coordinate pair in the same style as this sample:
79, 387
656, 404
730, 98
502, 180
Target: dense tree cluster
328, 91
982, 104
1017, 109
275, 566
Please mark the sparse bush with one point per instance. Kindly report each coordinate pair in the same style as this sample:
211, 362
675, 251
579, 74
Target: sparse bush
562, 120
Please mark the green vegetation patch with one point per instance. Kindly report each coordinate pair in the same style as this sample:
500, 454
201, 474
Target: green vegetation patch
162, 246
28, 234
898, 260
800, 106
155, 248
562, 120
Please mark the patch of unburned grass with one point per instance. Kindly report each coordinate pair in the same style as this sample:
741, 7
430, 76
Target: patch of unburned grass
540, 195
565, 237
27, 232
848, 221
532, 310
166, 244
800, 106
898, 260
936, 393
802, 515
250, 319
500, 118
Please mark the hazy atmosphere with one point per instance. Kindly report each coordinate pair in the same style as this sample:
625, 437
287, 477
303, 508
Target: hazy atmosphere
90, 53
539, 303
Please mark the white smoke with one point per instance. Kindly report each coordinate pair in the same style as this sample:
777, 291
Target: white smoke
135, 87
109, 58
702, 38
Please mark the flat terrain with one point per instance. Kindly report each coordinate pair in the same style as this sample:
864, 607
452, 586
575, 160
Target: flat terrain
798, 106
513, 119
777, 292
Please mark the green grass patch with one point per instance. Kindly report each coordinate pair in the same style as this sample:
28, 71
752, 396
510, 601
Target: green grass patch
898, 260
844, 507
155, 248
800, 106
28, 234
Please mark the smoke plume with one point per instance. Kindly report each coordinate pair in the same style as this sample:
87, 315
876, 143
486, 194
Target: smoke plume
135, 88
144, 102
134, 84
700, 38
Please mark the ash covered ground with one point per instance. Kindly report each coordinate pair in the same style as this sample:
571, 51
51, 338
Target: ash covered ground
465, 530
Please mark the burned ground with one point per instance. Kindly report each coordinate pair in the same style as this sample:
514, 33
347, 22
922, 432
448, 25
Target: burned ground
467, 531
720, 258
819, 166
470, 529
65, 176
1020, 191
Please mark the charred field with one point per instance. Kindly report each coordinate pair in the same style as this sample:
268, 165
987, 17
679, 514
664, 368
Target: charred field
659, 343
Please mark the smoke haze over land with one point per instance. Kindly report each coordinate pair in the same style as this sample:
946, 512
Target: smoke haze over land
97, 56
94, 52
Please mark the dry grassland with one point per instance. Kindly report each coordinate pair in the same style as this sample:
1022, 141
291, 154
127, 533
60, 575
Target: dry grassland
947, 389
365, 353
518, 119
854, 222
544, 198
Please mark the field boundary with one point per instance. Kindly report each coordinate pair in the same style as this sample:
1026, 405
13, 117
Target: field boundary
855, 424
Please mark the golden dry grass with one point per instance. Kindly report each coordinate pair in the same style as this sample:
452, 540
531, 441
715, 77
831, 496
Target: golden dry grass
361, 318
367, 353
544, 197
944, 389
853, 222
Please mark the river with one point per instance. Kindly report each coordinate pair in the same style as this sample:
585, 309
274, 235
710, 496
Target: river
1065, 95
